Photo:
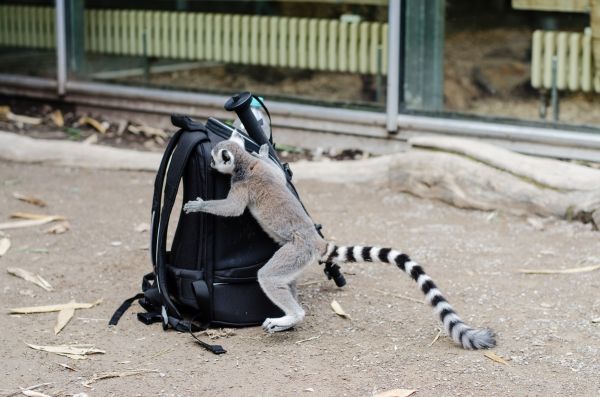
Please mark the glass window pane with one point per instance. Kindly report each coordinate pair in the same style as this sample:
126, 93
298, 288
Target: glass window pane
27, 44
332, 52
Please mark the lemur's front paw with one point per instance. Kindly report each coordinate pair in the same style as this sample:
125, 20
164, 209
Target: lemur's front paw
193, 206
279, 324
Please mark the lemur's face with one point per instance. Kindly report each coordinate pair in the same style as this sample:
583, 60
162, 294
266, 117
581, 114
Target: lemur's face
223, 159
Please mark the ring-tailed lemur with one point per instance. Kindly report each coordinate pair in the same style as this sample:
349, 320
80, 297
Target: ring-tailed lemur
256, 183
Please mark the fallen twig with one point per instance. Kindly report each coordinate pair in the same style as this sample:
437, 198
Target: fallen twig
109, 375
560, 271
436, 338
494, 357
308, 339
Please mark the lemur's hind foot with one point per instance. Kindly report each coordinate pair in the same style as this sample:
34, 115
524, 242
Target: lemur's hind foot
280, 324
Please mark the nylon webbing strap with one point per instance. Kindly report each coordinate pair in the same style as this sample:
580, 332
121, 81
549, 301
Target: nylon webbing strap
123, 308
186, 145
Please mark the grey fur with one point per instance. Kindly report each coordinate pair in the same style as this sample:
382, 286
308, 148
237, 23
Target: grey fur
259, 185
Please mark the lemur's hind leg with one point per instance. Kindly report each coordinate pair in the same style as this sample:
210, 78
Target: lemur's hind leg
276, 278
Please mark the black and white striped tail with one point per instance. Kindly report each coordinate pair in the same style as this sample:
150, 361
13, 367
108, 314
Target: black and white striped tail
461, 333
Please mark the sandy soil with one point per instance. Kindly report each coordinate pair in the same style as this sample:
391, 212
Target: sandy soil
543, 321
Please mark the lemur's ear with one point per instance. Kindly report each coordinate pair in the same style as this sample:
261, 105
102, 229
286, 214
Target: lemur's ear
237, 137
225, 156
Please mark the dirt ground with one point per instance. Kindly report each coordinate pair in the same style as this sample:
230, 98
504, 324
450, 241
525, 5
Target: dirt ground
544, 322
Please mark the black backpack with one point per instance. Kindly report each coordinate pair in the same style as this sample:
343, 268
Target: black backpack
209, 276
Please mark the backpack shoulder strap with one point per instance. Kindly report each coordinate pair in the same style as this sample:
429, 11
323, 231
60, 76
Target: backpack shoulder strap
187, 142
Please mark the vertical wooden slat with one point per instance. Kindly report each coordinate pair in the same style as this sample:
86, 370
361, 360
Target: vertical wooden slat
536, 58
190, 41
574, 57
136, 34
19, 26
549, 50
293, 43
264, 41
149, 29
384, 48
363, 66
124, 33
561, 55
218, 37
282, 38
28, 23
245, 36
117, 31
322, 54
273, 37
92, 21
199, 24
343, 47
254, 34
374, 45
302, 43
353, 48
332, 40
586, 61
173, 35
227, 38
51, 35
35, 27
111, 41
182, 42
208, 36
313, 52
101, 30
11, 26
164, 35
236, 22
3, 25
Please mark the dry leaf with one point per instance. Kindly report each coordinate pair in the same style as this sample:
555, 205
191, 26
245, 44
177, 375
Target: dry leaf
32, 216
30, 220
53, 308
57, 118
396, 393
64, 316
6, 114
33, 393
148, 131
76, 352
59, 228
90, 140
100, 127
596, 320
494, 357
560, 271
122, 374
4, 245
29, 199
142, 227
31, 277
337, 308
70, 368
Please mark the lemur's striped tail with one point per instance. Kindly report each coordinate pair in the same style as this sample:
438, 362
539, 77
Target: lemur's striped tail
461, 333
